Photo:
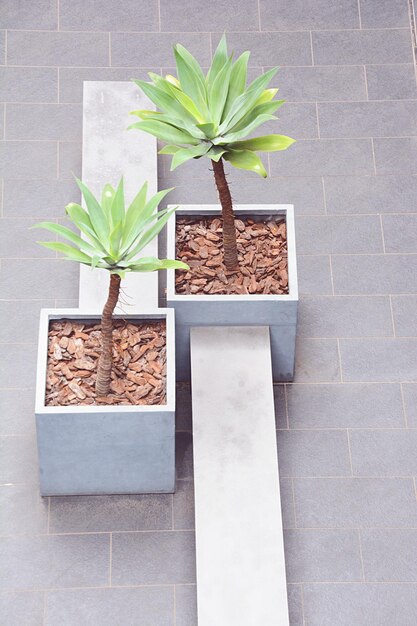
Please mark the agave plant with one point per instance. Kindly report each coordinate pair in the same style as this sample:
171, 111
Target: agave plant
209, 116
113, 239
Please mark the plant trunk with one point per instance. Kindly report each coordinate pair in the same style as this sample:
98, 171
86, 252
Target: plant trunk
229, 229
105, 361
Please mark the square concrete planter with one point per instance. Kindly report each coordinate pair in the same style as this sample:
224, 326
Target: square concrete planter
279, 312
105, 449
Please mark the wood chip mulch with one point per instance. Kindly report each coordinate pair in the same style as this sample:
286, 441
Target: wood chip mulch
262, 249
139, 363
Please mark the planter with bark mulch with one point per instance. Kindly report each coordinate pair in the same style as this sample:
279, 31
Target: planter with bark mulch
125, 442
263, 292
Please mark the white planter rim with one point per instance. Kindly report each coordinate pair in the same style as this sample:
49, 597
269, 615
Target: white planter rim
286, 210
47, 315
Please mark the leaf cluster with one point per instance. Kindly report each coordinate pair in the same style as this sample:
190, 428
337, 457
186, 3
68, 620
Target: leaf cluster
209, 116
111, 236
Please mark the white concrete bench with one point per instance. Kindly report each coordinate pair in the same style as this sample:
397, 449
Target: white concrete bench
109, 152
239, 541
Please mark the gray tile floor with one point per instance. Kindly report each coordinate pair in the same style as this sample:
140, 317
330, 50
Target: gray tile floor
347, 427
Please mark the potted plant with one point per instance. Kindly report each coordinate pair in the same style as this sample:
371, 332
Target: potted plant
237, 255
105, 393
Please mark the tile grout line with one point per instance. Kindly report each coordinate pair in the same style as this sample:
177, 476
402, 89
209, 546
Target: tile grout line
373, 153
359, 14
159, 15
317, 119
259, 17
1, 199
4, 120
331, 274
392, 316
172, 512
110, 49
382, 233
58, 85
350, 451
311, 49
324, 195
58, 15
340, 359
415, 486
361, 555
403, 405
110, 558
302, 604
365, 74
5, 48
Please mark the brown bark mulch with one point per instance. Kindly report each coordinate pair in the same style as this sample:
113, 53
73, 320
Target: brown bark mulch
262, 253
139, 363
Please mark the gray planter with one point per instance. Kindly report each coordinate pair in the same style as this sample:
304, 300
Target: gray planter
279, 312
105, 449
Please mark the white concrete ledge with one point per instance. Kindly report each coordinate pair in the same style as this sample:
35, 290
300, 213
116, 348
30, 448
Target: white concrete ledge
240, 552
109, 152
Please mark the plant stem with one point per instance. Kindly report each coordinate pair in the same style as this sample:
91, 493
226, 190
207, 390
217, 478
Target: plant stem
229, 229
105, 361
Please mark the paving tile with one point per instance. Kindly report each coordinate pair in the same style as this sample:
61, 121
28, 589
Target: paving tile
22, 510
79, 514
184, 455
69, 159
405, 315
370, 605
410, 403
44, 121
38, 198
322, 83
17, 408
371, 194
20, 277
197, 15
396, 156
71, 78
270, 49
375, 274
22, 609
280, 406
185, 605
17, 365
384, 452
18, 460
22, 319
391, 82
379, 360
314, 275
20, 230
183, 414
368, 119
147, 606
313, 453
296, 119
183, 503
295, 604
389, 555
57, 48
2, 109
58, 561
332, 157
153, 558
298, 15
357, 47
354, 502
119, 15
28, 159
39, 15
317, 360
287, 502
344, 316
310, 555
150, 49
345, 406
390, 14
400, 233
338, 235
21, 84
